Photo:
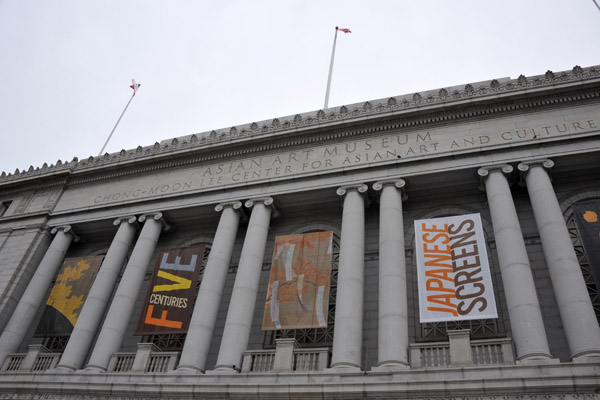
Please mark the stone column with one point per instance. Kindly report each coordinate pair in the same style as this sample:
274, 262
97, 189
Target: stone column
236, 334
121, 308
575, 307
204, 317
20, 322
91, 314
523, 307
347, 333
393, 302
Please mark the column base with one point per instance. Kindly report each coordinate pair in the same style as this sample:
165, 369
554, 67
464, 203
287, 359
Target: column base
93, 369
536, 359
587, 356
343, 367
223, 370
62, 368
187, 370
389, 366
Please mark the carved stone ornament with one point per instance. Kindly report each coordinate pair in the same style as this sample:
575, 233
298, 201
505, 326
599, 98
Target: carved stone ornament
397, 183
157, 216
484, 172
130, 219
360, 188
524, 166
267, 201
66, 229
236, 205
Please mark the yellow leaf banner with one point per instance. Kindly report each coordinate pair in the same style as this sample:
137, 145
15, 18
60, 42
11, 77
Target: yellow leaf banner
68, 295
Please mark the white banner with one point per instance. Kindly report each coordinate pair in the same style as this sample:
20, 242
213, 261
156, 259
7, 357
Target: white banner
453, 270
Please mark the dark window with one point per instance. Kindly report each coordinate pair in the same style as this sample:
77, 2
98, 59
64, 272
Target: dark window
4, 205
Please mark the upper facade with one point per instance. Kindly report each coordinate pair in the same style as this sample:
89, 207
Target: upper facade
521, 154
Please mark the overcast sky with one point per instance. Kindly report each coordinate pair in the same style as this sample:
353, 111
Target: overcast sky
66, 65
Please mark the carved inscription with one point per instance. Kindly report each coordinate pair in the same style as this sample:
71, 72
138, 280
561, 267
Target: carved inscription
355, 153
137, 192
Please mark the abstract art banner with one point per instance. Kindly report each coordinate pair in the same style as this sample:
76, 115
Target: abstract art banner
68, 294
453, 270
298, 293
588, 225
170, 299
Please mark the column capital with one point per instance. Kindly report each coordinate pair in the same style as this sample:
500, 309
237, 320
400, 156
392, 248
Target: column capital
157, 216
236, 205
524, 166
398, 183
484, 172
486, 169
266, 201
360, 188
66, 229
130, 219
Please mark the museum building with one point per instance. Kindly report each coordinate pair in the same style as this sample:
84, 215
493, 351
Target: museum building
440, 244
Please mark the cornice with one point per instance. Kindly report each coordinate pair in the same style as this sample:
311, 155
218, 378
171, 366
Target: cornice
436, 106
27, 185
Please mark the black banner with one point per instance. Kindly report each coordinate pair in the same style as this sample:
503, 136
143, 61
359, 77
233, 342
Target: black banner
587, 218
170, 299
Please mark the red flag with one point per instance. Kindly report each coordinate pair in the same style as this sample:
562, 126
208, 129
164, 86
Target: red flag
135, 86
345, 30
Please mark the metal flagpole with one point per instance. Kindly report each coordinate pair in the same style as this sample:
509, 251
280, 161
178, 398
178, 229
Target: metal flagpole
597, 6
135, 86
330, 69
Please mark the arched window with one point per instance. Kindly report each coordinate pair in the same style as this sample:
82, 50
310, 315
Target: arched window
317, 337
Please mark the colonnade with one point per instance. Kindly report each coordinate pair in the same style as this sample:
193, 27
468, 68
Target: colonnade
528, 333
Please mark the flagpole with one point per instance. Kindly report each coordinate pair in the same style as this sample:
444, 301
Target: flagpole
330, 69
597, 6
119, 120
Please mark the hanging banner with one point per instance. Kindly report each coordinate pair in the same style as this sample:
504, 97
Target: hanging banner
586, 218
453, 270
298, 293
170, 298
68, 295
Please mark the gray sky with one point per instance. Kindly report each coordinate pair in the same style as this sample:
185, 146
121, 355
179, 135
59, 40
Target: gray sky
66, 65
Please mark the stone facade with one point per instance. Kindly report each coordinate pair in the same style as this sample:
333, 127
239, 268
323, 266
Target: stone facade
519, 152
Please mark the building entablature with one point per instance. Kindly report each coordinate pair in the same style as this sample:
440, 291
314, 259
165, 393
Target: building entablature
434, 132
441, 106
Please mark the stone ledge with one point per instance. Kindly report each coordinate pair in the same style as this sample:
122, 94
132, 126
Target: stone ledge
580, 381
